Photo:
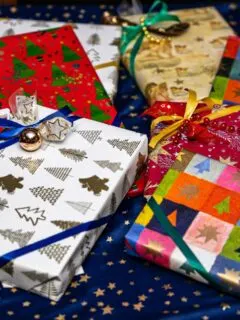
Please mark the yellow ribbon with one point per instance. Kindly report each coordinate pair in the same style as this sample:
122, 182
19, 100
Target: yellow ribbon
106, 65
191, 106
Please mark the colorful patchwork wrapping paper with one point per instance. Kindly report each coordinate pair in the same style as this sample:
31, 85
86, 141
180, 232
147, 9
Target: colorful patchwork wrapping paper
226, 86
99, 41
188, 61
197, 231
53, 64
58, 187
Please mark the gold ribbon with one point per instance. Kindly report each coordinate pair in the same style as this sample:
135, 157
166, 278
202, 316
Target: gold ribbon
191, 106
106, 65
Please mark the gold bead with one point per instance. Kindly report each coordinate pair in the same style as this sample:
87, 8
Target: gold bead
142, 19
30, 139
158, 41
144, 28
152, 39
146, 33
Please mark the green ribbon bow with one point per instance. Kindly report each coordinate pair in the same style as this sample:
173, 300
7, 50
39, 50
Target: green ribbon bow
136, 32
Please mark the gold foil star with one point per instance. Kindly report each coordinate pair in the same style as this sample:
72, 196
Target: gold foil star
111, 285
180, 155
142, 298
26, 304
225, 306
154, 248
227, 161
99, 292
60, 317
125, 304
230, 275
138, 306
85, 278
107, 310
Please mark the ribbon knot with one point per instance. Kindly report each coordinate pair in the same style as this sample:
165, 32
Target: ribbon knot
137, 32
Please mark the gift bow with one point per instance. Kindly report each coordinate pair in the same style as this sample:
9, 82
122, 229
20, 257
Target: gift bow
15, 129
137, 32
191, 108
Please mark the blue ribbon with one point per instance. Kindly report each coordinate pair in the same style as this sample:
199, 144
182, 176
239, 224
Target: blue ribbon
12, 135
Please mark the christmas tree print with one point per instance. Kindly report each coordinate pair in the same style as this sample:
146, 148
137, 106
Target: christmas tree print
115, 42
33, 49
113, 166
61, 103
100, 91
90, 135
2, 96
47, 289
187, 269
223, 206
47, 194
59, 77
3, 204
112, 205
126, 186
59, 173
203, 166
2, 44
27, 163
74, 154
33, 215
36, 276
126, 145
80, 206
21, 70
20, 237
69, 54
94, 39
55, 252
94, 184
8, 268
97, 114
10, 183
64, 225
93, 55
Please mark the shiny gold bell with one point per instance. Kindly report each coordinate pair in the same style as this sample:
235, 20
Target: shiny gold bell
30, 139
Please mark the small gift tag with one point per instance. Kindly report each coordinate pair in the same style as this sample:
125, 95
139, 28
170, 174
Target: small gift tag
26, 109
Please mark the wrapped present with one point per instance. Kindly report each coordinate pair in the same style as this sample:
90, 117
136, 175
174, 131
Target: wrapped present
53, 64
226, 85
201, 126
182, 57
191, 223
100, 43
56, 201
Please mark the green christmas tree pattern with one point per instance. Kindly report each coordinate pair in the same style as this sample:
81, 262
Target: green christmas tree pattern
100, 91
69, 55
2, 44
223, 206
59, 77
33, 49
21, 70
61, 103
98, 114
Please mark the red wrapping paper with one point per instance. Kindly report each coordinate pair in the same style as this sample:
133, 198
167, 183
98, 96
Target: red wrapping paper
53, 64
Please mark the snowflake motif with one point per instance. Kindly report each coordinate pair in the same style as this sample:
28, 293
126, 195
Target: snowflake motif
165, 162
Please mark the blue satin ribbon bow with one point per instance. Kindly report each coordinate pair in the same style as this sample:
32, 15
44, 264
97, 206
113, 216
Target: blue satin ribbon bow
12, 135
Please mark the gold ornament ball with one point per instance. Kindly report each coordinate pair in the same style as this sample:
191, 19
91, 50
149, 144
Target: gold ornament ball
30, 139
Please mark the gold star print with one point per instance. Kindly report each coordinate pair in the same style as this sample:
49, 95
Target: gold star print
208, 232
111, 285
205, 318
53, 303
154, 248
93, 310
138, 306
119, 292
197, 293
142, 298
230, 275
37, 316
14, 290
151, 290
110, 263
180, 155
227, 161
225, 306
189, 191
109, 239
107, 310
74, 284
60, 317
100, 304
167, 286
184, 299
26, 304
122, 261
84, 278
125, 304
10, 313
99, 292
73, 300
84, 303
170, 294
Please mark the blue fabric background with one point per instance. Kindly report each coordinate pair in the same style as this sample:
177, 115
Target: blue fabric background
116, 285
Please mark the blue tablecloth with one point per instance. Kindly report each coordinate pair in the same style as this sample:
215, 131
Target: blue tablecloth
116, 285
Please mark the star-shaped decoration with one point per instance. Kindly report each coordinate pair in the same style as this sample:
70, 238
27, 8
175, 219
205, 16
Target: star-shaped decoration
135, 97
184, 299
179, 156
142, 297
225, 306
227, 161
138, 306
167, 303
14, 290
26, 304
73, 300
170, 294
10, 313
209, 232
122, 261
109, 239
110, 263
93, 309
189, 191
179, 81
74, 284
197, 293
53, 303
154, 248
57, 129
205, 318
126, 222
84, 303
100, 304
107, 310
60, 317
84, 278
99, 292
125, 304
167, 286
230, 275
150, 290
111, 285
119, 292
